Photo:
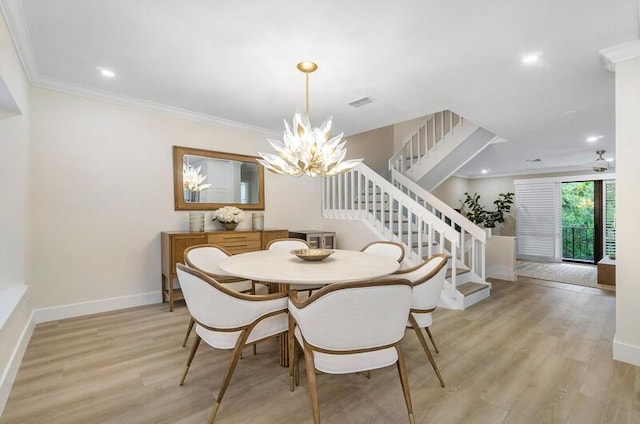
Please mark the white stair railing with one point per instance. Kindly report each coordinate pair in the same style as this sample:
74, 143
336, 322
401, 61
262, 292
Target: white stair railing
425, 140
472, 239
363, 194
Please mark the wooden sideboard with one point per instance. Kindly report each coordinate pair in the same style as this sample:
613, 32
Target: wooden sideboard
175, 242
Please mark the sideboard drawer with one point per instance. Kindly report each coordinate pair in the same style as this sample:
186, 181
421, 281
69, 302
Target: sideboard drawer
237, 242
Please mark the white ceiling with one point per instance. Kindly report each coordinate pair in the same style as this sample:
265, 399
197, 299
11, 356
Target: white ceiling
236, 61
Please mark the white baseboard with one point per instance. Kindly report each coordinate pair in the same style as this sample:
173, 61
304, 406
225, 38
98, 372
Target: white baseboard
502, 273
55, 313
624, 352
61, 312
10, 372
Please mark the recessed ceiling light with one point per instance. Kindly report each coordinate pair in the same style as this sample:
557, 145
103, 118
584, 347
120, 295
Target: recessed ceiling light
594, 138
107, 73
609, 159
484, 171
531, 58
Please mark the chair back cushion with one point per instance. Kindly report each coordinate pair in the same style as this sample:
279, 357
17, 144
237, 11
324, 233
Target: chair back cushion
429, 280
354, 316
206, 258
286, 245
387, 249
213, 305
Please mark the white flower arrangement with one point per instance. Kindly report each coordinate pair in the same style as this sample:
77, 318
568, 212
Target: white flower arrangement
228, 214
192, 178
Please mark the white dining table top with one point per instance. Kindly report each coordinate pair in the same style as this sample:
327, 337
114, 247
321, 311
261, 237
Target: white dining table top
284, 267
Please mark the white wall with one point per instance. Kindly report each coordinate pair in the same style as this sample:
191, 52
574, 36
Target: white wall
374, 146
452, 190
15, 309
103, 191
626, 346
14, 170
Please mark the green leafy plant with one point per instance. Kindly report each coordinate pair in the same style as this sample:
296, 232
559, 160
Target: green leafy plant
476, 213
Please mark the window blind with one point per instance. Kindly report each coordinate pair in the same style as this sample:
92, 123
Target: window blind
539, 221
609, 217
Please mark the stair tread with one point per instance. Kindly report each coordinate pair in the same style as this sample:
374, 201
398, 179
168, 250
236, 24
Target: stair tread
459, 271
468, 289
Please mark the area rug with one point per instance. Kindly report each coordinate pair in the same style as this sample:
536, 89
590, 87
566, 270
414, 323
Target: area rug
580, 274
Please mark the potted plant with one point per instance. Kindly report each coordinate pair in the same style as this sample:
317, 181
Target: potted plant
479, 215
228, 217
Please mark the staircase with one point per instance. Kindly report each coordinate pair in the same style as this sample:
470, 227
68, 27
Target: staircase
441, 145
407, 214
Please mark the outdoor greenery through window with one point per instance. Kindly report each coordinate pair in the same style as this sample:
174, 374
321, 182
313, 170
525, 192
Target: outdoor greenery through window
578, 220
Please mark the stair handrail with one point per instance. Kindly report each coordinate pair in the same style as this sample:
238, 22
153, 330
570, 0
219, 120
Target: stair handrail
339, 194
397, 160
436, 204
439, 225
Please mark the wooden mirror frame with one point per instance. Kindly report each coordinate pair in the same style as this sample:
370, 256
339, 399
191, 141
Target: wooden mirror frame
178, 194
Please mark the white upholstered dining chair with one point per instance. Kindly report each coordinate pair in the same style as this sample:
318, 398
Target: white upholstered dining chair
427, 280
205, 258
388, 249
347, 328
226, 319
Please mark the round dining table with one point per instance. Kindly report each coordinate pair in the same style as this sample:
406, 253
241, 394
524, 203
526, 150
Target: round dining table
283, 268
286, 268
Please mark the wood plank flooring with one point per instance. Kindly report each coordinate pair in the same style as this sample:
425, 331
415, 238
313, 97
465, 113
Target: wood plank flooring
535, 352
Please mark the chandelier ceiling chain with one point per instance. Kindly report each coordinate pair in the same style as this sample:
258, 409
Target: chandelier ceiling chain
308, 150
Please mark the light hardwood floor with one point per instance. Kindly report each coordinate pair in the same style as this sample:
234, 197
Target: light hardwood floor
532, 353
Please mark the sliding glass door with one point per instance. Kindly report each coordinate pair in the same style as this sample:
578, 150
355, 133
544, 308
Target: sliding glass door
588, 220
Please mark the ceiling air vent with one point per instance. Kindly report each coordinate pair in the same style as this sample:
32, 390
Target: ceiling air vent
361, 101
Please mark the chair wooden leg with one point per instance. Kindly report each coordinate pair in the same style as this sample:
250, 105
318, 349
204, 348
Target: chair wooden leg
235, 357
431, 338
192, 353
186, 337
292, 352
313, 385
425, 347
404, 382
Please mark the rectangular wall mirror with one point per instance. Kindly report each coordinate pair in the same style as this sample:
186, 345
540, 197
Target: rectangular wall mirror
208, 180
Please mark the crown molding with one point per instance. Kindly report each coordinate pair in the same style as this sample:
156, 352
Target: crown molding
147, 105
16, 23
612, 55
540, 171
14, 17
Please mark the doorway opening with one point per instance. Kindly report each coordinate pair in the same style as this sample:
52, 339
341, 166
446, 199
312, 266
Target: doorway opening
588, 220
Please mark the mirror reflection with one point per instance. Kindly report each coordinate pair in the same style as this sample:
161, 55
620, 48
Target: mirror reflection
208, 180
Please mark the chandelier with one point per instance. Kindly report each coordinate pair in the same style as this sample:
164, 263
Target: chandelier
308, 150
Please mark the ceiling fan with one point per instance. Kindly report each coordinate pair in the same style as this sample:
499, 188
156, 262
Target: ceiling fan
600, 164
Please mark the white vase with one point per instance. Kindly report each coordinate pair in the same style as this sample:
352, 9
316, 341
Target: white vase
196, 222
